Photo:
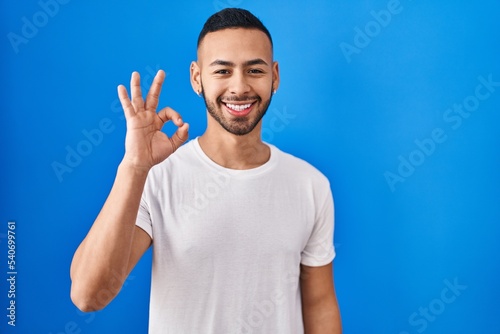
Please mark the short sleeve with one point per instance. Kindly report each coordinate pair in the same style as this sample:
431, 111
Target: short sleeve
319, 249
144, 218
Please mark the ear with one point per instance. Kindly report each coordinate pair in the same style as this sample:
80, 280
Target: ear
195, 77
276, 76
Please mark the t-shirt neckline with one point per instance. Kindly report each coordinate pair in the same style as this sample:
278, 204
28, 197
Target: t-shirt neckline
273, 159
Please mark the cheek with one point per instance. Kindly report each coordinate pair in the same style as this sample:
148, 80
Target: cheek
212, 95
212, 89
264, 89
265, 94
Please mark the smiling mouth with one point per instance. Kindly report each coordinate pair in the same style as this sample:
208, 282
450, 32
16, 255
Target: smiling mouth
239, 109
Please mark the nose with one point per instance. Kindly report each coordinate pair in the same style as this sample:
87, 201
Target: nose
238, 84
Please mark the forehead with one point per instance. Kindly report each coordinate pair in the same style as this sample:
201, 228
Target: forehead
236, 45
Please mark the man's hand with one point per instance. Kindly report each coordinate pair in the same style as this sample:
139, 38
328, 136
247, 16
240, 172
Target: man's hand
145, 144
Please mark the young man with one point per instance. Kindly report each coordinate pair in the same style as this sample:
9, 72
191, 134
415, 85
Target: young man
241, 232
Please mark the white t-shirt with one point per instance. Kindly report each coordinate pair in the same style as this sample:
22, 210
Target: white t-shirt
228, 244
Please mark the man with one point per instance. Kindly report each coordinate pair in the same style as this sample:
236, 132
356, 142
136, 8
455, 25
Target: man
241, 232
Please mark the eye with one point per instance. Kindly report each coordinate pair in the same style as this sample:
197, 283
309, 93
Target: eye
255, 71
222, 72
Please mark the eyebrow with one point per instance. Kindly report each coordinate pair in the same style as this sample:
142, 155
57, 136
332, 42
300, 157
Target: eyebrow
220, 62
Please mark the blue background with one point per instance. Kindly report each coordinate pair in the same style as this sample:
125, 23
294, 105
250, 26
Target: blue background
353, 115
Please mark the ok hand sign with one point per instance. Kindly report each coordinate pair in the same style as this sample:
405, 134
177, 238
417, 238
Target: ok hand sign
145, 144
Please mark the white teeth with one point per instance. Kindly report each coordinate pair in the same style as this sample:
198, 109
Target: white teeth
237, 107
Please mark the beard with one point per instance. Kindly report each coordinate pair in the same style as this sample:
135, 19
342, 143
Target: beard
238, 126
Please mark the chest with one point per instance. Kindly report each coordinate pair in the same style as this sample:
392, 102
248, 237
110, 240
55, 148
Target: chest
235, 220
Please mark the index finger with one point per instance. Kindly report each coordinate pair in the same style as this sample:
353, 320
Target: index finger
154, 92
169, 114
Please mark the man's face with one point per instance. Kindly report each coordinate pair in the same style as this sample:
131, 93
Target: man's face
236, 75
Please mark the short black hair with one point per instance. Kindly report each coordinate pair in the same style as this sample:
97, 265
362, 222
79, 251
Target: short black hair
232, 18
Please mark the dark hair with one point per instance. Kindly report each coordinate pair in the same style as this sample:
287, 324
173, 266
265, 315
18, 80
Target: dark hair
232, 18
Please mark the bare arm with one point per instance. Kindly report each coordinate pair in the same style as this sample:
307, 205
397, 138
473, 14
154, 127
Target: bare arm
112, 247
114, 244
320, 309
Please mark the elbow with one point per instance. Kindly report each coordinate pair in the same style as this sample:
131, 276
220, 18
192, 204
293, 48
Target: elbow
91, 292
87, 300
84, 306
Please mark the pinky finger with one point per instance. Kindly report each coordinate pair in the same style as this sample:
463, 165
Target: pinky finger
128, 108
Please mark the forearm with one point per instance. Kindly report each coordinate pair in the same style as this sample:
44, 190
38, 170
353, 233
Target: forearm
322, 318
101, 262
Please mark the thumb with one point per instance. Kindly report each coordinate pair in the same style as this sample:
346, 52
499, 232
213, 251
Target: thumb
180, 136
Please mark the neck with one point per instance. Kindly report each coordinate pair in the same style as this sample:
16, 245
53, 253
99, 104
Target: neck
235, 152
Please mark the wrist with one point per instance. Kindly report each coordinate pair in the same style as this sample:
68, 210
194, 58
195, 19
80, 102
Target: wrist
134, 170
